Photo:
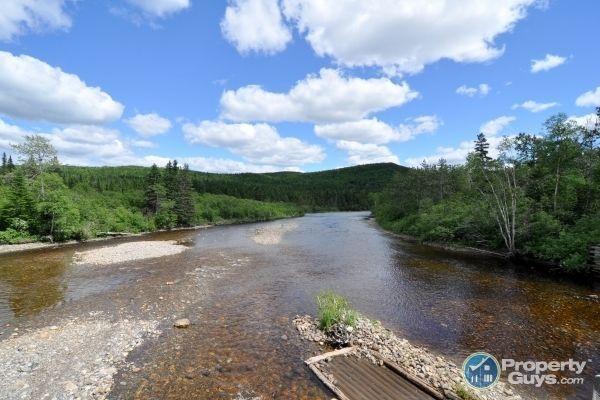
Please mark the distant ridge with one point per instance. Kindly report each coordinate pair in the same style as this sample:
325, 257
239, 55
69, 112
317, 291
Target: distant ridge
347, 188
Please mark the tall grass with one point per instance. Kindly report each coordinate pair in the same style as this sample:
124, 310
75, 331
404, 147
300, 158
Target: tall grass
334, 309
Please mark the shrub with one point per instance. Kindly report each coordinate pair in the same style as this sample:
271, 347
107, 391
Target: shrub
334, 309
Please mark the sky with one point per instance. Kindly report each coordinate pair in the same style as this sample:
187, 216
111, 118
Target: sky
300, 85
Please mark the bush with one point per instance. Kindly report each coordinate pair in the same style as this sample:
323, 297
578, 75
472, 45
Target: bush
334, 309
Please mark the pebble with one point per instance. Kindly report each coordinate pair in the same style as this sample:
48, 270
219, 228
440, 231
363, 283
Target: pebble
181, 323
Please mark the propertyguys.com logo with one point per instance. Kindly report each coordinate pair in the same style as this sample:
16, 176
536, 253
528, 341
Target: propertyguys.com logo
481, 370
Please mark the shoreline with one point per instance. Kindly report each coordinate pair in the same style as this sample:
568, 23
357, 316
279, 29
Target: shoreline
520, 261
32, 246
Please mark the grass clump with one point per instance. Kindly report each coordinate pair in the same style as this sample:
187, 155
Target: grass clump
334, 309
463, 393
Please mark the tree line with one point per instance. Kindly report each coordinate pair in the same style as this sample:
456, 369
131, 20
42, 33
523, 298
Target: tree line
539, 196
37, 204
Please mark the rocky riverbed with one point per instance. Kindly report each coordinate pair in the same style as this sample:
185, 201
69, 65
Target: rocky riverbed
369, 337
74, 360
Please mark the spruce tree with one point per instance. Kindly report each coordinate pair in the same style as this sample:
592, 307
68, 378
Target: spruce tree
10, 166
154, 191
184, 203
20, 203
481, 147
4, 166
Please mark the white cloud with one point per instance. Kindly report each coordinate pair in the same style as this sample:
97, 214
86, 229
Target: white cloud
482, 89
495, 126
10, 134
32, 89
90, 145
18, 17
366, 153
547, 63
588, 99
587, 121
216, 165
376, 131
534, 106
143, 144
327, 97
255, 25
160, 8
403, 37
149, 124
259, 143
458, 155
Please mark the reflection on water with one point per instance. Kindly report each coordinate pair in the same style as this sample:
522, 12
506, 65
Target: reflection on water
452, 304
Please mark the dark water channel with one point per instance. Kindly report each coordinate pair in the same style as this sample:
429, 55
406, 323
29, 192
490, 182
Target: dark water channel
242, 339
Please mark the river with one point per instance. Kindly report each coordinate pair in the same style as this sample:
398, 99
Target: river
255, 278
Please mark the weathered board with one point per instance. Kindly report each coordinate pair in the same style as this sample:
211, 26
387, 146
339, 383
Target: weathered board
354, 378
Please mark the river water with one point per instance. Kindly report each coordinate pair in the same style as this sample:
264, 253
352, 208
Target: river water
255, 278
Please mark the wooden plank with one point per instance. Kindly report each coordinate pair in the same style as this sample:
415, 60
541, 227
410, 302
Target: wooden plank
345, 350
328, 383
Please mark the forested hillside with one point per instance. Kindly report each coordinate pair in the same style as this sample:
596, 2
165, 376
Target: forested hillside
540, 197
340, 189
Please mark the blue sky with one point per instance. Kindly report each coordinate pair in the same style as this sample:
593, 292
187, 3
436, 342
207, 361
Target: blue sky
265, 85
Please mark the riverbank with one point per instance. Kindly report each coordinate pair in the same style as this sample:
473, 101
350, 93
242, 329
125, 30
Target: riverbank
371, 337
24, 247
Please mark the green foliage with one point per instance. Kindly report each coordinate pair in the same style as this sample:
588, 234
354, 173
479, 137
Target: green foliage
220, 209
540, 197
334, 309
463, 393
341, 189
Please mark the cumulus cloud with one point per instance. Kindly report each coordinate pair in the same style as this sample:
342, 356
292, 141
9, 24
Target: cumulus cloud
482, 90
547, 63
31, 89
495, 126
10, 134
403, 37
149, 124
588, 121
216, 165
143, 144
458, 154
378, 132
258, 143
255, 25
90, 145
18, 17
589, 99
160, 8
327, 97
534, 106
366, 153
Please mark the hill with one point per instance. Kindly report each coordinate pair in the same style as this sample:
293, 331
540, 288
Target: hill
339, 189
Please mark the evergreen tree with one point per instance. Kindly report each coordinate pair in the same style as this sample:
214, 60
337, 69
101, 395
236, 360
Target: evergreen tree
10, 166
184, 203
154, 191
481, 147
170, 180
4, 167
20, 203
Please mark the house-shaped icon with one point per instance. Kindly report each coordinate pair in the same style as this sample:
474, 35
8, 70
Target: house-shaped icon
483, 373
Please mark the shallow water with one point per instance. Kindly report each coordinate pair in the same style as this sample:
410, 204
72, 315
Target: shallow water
452, 304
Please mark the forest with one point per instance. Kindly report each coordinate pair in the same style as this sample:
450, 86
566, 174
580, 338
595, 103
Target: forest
37, 205
538, 198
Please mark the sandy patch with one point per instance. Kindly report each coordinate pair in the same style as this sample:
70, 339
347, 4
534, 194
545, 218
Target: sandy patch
273, 234
129, 252
76, 360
